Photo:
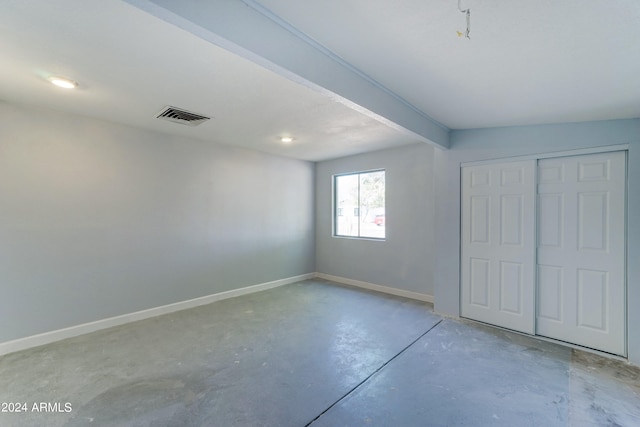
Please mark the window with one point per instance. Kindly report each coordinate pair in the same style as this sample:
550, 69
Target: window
359, 204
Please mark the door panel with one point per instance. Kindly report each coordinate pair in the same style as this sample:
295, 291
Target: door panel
550, 293
480, 217
593, 221
581, 250
498, 244
512, 220
551, 208
511, 285
593, 289
479, 282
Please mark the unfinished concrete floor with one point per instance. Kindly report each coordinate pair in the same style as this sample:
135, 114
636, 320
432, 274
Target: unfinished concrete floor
314, 353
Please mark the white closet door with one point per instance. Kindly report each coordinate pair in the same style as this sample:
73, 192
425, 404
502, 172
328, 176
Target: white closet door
498, 244
581, 250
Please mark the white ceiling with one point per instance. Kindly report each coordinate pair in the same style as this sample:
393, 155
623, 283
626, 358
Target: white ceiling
340, 76
527, 62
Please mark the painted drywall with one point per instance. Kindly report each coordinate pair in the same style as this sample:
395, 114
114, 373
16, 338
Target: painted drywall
404, 260
99, 220
486, 144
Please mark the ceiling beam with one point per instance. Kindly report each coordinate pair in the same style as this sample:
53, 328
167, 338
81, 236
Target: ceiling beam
253, 32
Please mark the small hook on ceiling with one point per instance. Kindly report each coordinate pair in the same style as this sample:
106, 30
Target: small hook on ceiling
467, 12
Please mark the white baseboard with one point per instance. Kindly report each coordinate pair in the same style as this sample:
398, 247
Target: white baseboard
85, 328
378, 288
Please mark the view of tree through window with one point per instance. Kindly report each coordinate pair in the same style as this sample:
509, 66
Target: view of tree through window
360, 205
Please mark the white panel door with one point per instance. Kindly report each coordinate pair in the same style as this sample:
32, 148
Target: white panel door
581, 250
498, 244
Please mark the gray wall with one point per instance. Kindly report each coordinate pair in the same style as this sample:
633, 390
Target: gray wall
405, 259
99, 220
484, 144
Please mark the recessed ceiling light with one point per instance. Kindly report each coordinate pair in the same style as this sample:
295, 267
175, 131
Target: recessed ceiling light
286, 139
62, 82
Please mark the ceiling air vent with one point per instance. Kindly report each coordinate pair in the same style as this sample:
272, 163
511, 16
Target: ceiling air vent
184, 117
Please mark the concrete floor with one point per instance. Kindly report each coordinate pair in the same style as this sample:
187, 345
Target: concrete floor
318, 354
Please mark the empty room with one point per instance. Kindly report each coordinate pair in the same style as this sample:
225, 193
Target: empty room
319, 213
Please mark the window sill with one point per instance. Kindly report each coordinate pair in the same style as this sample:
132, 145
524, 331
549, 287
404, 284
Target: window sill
373, 239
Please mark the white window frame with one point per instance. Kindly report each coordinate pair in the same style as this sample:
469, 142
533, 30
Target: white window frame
335, 208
